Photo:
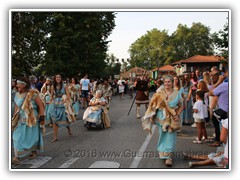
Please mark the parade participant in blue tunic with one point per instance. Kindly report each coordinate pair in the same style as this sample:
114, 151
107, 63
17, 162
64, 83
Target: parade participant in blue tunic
46, 92
59, 96
74, 89
13, 93
27, 135
167, 140
187, 115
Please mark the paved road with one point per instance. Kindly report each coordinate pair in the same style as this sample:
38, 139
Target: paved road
124, 145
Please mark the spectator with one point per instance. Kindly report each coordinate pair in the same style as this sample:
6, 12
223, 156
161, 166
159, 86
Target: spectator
85, 89
198, 74
40, 83
199, 116
220, 91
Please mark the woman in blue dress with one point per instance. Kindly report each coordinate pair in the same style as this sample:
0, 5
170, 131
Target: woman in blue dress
167, 140
58, 111
74, 89
187, 115
46, 91
177, 86
27, 136
14, 91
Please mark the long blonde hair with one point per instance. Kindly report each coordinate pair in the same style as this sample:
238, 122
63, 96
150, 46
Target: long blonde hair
202, 86
207, 78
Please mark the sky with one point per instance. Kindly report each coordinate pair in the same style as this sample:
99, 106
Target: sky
132, 25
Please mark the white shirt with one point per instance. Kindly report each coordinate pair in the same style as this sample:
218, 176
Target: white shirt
85, 82
225, 125
200, 107
120, 81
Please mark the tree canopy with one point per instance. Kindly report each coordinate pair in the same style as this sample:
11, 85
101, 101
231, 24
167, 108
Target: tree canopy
157, 48
220, 39
69, 43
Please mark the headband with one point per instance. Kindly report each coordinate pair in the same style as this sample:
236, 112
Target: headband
21, 82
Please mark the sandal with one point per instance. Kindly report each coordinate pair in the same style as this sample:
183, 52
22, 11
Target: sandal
54, 140
215, 144
208, 140
168, 162
15, 161
185, 156
197, 142
33, 155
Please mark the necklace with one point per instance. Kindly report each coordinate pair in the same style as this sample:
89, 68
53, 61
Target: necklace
168, 94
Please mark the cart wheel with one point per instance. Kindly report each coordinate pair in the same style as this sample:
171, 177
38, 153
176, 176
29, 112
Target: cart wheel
102, 126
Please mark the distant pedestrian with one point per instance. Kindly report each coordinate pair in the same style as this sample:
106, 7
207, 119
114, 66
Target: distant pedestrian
85, 90
121, 87
40, 83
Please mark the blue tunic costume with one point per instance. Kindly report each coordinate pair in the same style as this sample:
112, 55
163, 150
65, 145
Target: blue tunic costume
58, 113
186, 115
74, 98
25, 138
47, 111
167, 140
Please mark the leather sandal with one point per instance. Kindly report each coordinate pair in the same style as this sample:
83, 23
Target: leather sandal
15, 161
215, 144
54, 140
33, 155
168, 162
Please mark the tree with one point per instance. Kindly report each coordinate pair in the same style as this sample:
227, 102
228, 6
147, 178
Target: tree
29, 38
157, 48
69, 43
113, 66
220, 40
78, 43
191, 41
148, 50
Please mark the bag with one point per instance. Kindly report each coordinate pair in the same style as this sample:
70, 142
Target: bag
106, 120
175, 125
220, 114
15, 119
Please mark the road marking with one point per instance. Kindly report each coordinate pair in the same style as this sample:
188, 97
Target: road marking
68, 163
142, 149
37, 162
105, 164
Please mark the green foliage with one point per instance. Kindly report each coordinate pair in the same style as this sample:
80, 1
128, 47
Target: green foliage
221, 42
148, 51
29, 38
157, 48
69, 43
113, 66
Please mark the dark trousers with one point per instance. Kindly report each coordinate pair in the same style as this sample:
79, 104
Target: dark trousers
217, 128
